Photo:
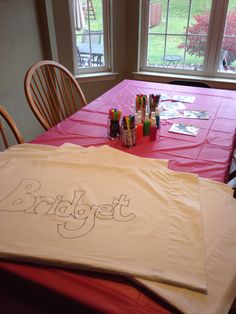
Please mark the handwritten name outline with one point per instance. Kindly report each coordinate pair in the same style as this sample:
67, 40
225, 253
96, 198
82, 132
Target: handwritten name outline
23, 199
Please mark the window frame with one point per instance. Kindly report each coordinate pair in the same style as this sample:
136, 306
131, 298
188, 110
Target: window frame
214, 42
106, 42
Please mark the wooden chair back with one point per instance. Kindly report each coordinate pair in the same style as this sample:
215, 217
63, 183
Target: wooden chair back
190, 83
12, 126
52, 93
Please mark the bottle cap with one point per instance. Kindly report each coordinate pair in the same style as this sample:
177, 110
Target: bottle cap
139, 118
153, 114
153, 121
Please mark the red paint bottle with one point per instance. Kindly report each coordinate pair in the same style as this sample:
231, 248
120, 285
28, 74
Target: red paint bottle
153, 129
139, 127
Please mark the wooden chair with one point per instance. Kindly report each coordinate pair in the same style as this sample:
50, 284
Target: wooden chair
190, 83
10, 122
52, 93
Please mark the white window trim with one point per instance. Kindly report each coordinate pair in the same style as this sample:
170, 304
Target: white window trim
107, 44
210, 66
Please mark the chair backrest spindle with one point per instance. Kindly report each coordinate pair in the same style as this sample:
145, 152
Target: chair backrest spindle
39, 99
72, 95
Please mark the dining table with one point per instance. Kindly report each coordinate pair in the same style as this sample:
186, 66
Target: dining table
207, 154
39, 288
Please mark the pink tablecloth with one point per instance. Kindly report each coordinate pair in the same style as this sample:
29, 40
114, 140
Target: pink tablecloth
208, 154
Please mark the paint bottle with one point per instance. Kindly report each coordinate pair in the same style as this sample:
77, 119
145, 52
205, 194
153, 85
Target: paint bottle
153, 114
139, 127
153, 129
146, 125
133, 129
157, 115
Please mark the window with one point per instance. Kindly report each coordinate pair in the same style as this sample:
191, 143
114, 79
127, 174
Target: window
91, 31
195, 37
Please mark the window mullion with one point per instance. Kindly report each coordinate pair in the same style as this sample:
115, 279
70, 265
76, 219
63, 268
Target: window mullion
188, 22
215, 31
166, 28
143, 34
221, 34
106, 34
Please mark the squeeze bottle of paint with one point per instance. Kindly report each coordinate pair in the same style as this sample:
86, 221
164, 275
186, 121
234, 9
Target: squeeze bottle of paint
139, 127
146, 125
157, 118
153, 129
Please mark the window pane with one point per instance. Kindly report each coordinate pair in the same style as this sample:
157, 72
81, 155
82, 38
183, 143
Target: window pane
155, 47
227, 61
177, 21
89, 32
177, 33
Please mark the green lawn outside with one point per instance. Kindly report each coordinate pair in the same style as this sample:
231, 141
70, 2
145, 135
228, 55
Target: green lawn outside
95, 24
178, 12
177, 22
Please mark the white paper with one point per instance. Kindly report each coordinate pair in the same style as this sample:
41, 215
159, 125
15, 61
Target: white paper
183, 98
196, 114
184, 129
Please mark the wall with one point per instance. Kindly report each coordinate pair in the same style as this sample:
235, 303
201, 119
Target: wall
20, 47
93, 88
132, 36
119, 30
32, 30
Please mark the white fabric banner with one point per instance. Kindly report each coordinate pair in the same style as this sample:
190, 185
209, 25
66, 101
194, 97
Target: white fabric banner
219, 220
115, 218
